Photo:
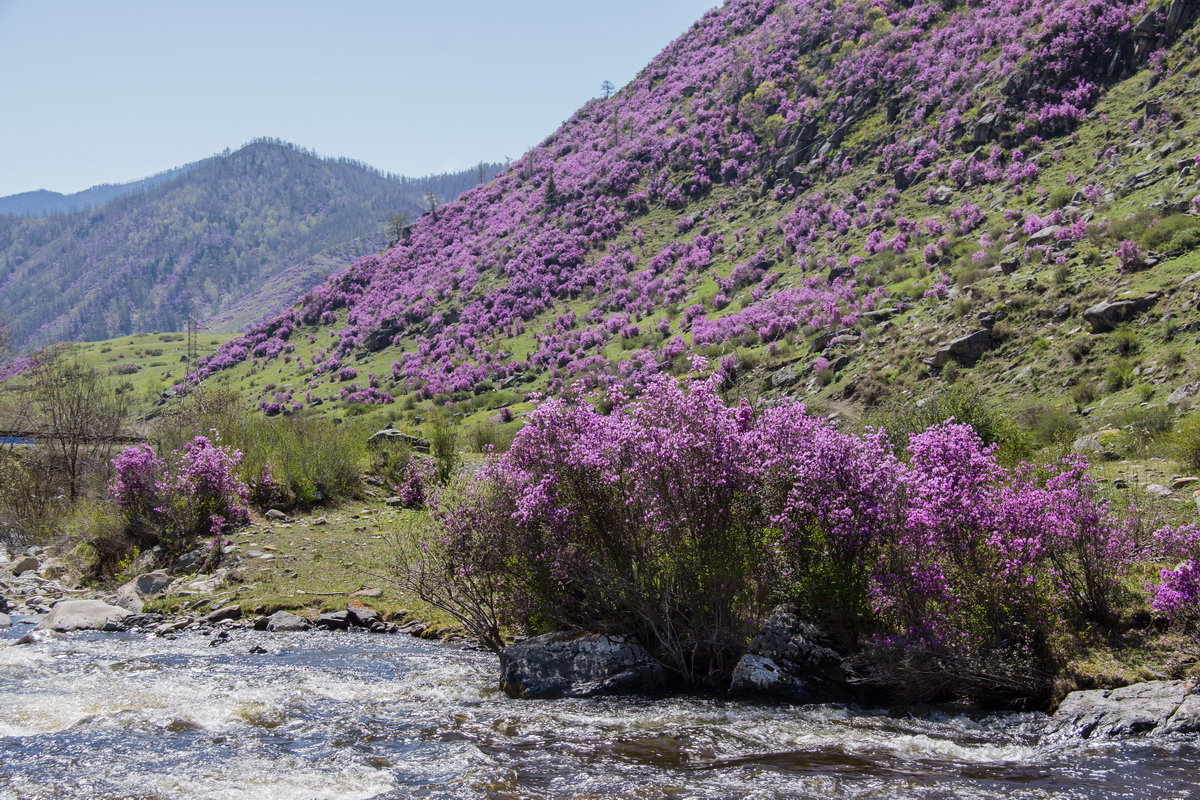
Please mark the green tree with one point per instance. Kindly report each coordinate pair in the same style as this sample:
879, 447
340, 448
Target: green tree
396, 225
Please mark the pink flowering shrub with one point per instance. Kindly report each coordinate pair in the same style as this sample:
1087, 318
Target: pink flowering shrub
680, 519
1129, 256
1176, 596
192, 493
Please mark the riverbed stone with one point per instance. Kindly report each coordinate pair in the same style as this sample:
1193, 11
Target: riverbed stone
571, 664
1150, 708
5, 621
361, 614
25, 564
789, 658
221, 614
283, 622
333, 620
84, 615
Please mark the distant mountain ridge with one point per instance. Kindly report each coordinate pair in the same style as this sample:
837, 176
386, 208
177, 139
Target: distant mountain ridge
198, 241
43, 202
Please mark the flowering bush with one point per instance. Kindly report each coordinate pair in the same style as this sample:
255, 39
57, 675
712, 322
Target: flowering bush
1129, 256
680, 519
1177, 594
194, 492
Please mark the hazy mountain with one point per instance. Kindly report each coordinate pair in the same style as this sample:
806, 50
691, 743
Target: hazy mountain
198, 242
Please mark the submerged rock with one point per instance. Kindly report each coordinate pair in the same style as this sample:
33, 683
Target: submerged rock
568, 664
83, 615
1151, 708
789, 659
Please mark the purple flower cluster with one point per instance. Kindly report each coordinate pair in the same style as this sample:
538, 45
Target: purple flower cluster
591, 516
192, 492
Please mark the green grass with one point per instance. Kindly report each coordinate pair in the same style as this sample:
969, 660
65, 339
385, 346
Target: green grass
314, 567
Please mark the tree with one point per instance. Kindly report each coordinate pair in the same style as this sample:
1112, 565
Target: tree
79, 413
431, 200
607, 88
396, 226
552, 196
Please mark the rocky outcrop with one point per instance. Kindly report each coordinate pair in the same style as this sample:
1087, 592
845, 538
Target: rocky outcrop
83, 615
965, 349
568, 664
790, 659
1152, 708
1107, 316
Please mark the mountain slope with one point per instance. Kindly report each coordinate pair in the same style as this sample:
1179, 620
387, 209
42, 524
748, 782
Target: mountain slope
835, 197
198, 244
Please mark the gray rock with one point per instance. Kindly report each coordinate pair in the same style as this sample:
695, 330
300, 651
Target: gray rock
275, 514
26, 564
283, 622
965, 349
362, 615
568, 664
127, 599
1152, 708
83, 615
1108, 315
393, 501
1184, 396
334, 620
782, 377
151, 583
224, 613
1104, 444
5, 621
790, 659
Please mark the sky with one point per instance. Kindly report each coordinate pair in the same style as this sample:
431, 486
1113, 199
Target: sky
107, 92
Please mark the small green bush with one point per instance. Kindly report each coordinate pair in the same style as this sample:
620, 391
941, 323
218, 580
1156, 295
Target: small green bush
1185, 442
1176, 232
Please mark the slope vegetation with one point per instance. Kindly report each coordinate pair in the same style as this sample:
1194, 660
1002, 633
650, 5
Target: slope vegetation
853, 199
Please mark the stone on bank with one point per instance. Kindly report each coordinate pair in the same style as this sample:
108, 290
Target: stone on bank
569, 664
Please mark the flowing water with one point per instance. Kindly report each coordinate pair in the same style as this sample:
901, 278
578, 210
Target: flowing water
345, 716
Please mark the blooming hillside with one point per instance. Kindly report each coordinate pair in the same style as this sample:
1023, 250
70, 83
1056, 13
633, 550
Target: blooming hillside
856, 194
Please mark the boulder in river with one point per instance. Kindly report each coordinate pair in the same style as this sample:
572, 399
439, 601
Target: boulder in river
5, 622
1151, 708
790, 659
83, 615
361, 614
333, 620
283, 622
571, 664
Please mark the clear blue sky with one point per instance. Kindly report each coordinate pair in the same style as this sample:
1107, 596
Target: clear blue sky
106, 92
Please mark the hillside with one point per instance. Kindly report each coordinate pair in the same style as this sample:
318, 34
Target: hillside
230, 239
850, 200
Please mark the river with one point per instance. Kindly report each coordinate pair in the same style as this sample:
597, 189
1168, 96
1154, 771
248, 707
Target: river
349, 716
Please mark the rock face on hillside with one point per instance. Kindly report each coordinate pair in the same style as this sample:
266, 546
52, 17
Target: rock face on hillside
1108, 315
789, 659
1153, 708
569, 664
